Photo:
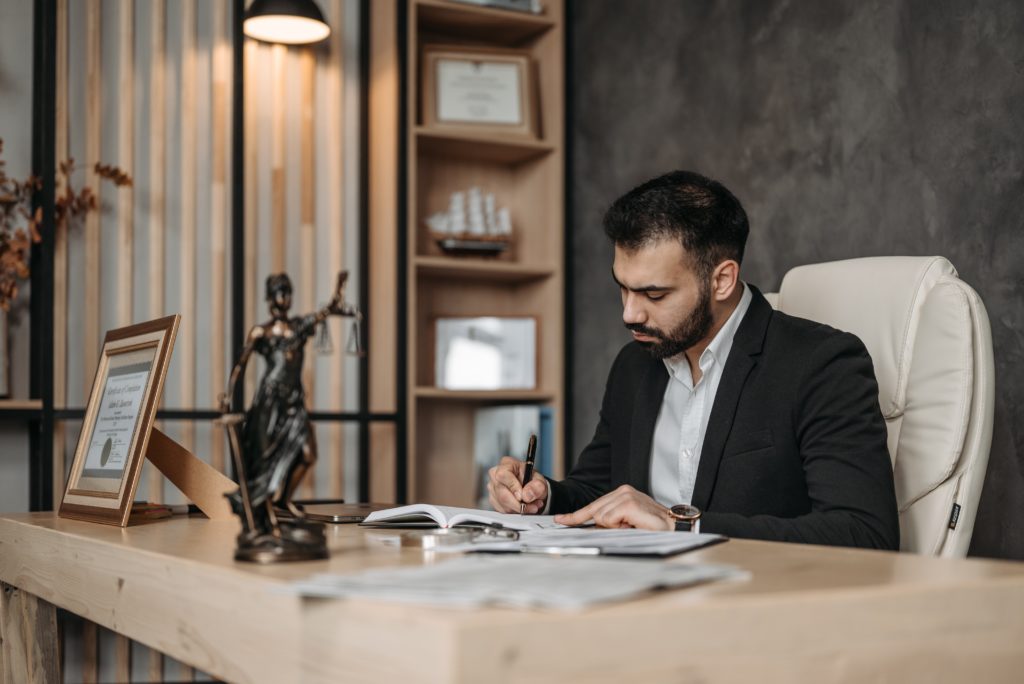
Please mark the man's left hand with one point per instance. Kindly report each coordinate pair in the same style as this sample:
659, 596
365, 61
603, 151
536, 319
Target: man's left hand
624, 507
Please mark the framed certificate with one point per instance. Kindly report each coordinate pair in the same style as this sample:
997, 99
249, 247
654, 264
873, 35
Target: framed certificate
485, 353
116, 428
478, 90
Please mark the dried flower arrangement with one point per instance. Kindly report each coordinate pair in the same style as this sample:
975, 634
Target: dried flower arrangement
16, 208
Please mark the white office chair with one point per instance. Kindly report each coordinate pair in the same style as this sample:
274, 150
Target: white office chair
929, 338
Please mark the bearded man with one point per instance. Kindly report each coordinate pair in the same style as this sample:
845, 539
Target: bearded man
722, 414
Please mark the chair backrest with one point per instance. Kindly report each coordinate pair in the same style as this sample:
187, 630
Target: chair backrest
928, 335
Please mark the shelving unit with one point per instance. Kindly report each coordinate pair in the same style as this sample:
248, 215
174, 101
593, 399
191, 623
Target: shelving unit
526, 175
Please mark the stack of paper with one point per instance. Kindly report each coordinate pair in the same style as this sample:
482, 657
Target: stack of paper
574, 541
517, 581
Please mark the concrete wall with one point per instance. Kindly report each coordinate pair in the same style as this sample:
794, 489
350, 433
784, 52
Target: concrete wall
16, 131
846, 128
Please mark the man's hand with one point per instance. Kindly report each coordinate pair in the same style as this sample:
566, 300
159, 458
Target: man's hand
506, 490
624, 507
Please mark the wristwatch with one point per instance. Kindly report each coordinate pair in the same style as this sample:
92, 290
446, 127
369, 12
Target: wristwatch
687, 517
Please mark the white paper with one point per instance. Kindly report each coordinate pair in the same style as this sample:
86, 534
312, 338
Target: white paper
575, 540
478, 92
450, 516
517, 581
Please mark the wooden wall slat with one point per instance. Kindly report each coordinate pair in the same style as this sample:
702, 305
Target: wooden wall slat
253, 296
186, 345
126, 160
123, 658
307, 224
125, 223
278, 228
383, 143
93, 132
90, 652
334, 111
157, 205
220, 92
60, 261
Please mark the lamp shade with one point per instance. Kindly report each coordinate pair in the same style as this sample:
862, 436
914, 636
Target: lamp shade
294, 22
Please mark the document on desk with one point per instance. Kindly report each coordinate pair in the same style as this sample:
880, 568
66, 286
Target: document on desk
573, 541
515, 581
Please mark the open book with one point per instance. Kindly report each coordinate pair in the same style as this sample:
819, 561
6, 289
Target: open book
449, 516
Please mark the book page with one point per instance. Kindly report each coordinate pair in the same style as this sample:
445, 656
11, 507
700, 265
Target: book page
450, 516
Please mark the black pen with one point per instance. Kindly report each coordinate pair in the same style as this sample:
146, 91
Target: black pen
531, 457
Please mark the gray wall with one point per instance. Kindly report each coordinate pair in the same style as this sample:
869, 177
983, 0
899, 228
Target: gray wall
16, 131
847, 129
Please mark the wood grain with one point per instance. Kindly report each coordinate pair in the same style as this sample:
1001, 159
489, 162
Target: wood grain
157, 189
307, 227
278, 181
804, 614
60, 261
186, 345
383, 236
29, 641
90, 652
219, 219
334, 111
126, 160
252, 165
93, 130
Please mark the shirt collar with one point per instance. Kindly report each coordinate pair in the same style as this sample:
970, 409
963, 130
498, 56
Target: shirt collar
718, 349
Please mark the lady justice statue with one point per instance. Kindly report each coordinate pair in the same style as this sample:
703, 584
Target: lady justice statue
273, 444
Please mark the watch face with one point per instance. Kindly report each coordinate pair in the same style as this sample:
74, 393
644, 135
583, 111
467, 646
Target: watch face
686, 511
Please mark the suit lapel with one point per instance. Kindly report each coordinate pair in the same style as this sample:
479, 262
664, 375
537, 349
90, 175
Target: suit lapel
646, 405
746, 348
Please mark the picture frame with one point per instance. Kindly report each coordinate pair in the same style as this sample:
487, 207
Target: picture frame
479, 90
118, 420
485, 353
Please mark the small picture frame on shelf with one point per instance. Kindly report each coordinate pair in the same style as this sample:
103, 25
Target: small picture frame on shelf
117, 423
486, 353
481, 90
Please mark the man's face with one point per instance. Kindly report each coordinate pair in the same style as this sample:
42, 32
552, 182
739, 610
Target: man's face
664, 303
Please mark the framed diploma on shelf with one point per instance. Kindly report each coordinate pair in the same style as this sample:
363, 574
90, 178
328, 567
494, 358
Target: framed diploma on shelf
479, 90
485, 353
116, 428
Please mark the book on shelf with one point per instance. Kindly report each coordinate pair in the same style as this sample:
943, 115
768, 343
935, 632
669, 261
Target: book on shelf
530, 6
500, 431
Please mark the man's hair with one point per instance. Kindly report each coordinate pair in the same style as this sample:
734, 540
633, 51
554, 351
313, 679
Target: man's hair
277, 282
699, 212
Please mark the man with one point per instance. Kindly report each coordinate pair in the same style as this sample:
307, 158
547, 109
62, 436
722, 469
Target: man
766, 424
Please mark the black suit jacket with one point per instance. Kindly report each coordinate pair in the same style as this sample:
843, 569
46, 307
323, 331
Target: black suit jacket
795, 448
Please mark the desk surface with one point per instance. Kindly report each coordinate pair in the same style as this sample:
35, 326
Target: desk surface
807, 613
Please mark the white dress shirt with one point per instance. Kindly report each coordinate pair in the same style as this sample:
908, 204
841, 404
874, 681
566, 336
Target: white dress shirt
683, 418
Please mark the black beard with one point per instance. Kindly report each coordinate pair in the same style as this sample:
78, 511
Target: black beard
689, 332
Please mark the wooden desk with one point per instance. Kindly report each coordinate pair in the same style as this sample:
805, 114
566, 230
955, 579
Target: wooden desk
808, 614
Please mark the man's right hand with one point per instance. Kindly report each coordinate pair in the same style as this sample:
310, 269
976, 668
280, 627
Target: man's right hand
506, 490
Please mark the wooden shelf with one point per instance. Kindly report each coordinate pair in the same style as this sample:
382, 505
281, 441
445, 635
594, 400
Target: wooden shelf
526, 175
20, 408
21, 404
503, 27
482, 395
480, 146
470, 268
